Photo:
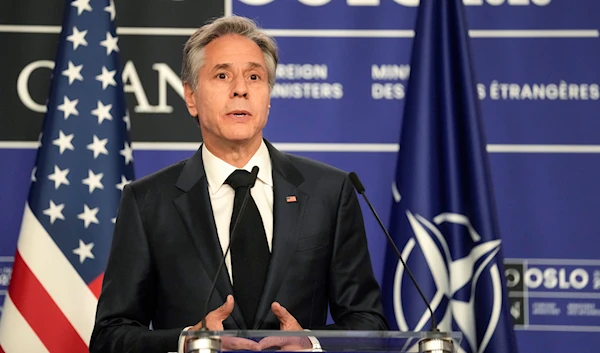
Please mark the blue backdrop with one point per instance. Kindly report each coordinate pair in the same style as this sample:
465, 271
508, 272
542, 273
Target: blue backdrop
339, 98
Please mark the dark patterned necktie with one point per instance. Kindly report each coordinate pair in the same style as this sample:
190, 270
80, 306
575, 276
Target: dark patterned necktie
249, 249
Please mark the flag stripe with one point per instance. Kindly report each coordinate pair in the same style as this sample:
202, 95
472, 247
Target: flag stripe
21, 337
41, 312
96, 286
58, 277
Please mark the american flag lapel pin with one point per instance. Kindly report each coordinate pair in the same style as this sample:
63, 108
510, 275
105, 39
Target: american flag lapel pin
291, 198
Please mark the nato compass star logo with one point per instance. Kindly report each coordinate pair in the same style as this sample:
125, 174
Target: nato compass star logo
455, 280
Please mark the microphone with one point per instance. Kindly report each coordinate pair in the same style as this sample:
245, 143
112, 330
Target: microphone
361, 190
254, 175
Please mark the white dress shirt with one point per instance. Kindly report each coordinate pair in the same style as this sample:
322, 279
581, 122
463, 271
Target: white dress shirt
222, 195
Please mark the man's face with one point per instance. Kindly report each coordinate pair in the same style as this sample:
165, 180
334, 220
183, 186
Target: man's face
232, 97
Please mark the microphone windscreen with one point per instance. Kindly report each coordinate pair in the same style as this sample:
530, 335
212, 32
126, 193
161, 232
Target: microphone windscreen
356, 182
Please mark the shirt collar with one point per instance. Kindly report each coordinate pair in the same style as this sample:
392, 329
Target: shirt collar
217, 170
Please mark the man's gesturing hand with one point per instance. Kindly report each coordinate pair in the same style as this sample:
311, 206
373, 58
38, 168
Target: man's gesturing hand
214, 319
287, 322
214, 322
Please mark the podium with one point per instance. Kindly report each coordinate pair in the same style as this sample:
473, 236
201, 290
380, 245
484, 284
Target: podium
205, 341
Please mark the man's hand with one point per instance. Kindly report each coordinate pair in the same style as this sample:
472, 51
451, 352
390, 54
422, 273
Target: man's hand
214, 319
287, 322
287, 344
238, 344
214, 322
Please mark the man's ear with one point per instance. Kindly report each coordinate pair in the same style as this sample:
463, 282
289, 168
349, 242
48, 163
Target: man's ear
190, 99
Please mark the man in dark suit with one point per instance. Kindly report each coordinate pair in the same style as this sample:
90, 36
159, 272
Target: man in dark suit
301, 243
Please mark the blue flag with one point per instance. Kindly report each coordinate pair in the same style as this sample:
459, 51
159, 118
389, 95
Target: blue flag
82, 164
443, 215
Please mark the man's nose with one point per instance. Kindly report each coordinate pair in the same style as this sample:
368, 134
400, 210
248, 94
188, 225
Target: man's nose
240, 88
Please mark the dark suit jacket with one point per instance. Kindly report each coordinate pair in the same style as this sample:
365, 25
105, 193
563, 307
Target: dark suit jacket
165, 253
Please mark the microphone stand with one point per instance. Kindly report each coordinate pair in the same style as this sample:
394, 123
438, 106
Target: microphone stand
438, 342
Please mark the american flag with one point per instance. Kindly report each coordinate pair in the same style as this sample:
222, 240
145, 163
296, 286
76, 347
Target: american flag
84, 159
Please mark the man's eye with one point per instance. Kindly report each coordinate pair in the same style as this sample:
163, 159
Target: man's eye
254, 77
221, 76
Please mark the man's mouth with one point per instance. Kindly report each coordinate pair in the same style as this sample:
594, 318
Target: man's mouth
239, 113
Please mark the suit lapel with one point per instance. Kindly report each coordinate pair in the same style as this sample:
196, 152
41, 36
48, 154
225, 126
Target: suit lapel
287, 218
195, 210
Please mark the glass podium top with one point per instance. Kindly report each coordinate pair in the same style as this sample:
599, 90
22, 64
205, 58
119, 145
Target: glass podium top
317, 341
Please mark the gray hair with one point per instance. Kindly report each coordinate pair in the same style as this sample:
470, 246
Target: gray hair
193, 51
